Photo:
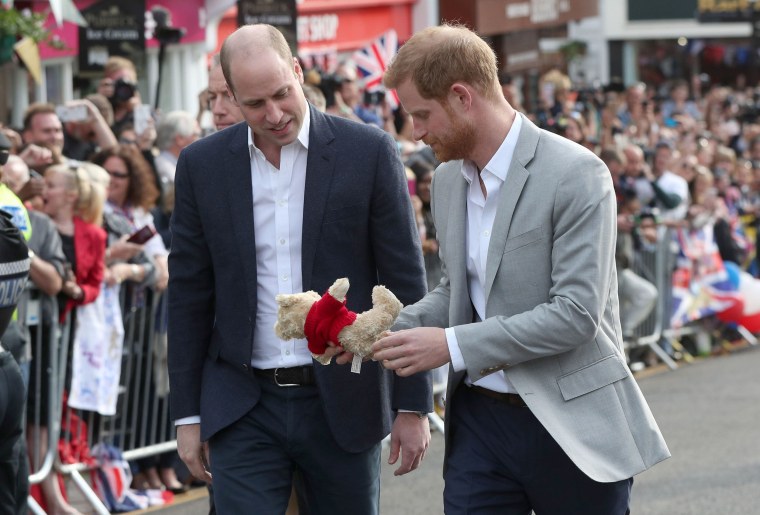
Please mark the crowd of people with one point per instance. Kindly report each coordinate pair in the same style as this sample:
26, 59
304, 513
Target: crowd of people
91, 174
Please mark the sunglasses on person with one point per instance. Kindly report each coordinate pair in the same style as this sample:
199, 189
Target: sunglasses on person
118, 175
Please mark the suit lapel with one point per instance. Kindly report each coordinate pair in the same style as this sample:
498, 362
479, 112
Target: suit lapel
510, 194
456, 241
320, 164
237, 175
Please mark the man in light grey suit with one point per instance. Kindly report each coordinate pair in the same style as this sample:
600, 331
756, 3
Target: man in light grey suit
543, 413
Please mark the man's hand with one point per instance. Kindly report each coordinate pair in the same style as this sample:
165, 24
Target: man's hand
410, 437
193, 452
412, 350
36, 157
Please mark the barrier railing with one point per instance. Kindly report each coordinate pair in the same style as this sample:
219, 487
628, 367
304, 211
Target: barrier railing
141, 426
655, 264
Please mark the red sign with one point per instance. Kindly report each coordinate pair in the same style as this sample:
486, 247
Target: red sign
344, 25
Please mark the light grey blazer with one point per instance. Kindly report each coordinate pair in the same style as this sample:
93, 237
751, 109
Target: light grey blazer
552, 322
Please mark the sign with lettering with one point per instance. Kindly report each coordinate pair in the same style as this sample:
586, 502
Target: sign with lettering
279, 13
114, 28
725, 10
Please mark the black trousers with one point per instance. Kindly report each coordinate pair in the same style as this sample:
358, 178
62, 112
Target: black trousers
12, 400
504, 462
254, 459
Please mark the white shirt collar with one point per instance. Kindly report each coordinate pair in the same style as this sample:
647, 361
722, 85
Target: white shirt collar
303, 134
500, 161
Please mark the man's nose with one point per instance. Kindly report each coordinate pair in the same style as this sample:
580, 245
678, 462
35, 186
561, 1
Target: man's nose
274, 113
418, 132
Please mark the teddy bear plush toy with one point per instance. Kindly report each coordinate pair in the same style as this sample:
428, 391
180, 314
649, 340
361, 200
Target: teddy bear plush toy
324, 320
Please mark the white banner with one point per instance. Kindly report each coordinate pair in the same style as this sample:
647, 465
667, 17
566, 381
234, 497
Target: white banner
96, 358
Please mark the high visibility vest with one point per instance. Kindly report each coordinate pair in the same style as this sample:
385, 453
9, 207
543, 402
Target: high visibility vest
10, 203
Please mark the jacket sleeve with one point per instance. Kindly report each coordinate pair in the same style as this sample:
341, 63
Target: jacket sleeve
90, 278
191, 295
397, 245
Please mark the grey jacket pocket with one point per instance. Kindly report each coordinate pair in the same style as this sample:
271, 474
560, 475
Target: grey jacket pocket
526, 238
592, 377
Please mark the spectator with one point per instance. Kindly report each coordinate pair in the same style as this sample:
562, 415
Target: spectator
423, 172
679, 104
119, 86
76, 210
131, 192
176, 130
85, 136
225, 112
670, 192
511, 91
42, 135
637, 296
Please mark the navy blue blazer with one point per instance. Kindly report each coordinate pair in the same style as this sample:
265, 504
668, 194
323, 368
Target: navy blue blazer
357, 223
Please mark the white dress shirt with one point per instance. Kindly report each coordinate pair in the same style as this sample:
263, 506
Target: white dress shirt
481, 213
278, 197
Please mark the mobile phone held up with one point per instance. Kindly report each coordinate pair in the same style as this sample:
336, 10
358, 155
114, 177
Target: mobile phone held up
142, 235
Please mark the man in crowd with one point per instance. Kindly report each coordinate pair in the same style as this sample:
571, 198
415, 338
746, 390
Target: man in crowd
175, 131
225, 112
288, 202
542, 412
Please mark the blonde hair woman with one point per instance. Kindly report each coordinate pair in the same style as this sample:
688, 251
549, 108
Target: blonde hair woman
75, 205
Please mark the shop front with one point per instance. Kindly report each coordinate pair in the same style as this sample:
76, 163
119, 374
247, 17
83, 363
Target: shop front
327, 29
130, 29
518, 30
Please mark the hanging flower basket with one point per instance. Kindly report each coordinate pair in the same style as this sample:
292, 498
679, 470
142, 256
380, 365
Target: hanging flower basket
6, 48
16, 25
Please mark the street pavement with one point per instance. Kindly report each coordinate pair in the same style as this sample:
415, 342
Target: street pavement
709, 413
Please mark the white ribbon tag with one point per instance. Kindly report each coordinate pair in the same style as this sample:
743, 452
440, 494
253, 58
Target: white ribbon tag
356, 364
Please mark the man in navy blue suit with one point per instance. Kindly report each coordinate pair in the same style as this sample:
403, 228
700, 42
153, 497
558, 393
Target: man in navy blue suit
288, 201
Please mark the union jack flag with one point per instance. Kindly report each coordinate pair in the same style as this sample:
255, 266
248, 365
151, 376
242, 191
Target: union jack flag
373, 60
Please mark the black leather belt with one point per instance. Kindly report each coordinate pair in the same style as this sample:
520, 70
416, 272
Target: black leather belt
293, 376
512, 399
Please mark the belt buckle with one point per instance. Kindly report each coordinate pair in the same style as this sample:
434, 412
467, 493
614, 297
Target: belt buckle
284, 385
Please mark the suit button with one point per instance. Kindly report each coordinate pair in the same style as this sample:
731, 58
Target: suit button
245, 366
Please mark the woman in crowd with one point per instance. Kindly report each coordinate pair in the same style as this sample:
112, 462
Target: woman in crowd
76, 208
132, 194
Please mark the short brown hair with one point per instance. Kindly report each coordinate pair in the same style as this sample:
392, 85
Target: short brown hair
437, 57
275, 40
117, 63
35, 109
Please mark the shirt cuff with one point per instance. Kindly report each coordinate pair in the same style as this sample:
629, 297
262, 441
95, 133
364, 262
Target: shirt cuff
188, 420
457, 360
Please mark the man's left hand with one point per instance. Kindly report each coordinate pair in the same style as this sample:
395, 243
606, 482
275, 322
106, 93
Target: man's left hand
410, 437
412, 350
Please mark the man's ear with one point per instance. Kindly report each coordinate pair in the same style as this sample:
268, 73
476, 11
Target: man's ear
460, 95
298, 71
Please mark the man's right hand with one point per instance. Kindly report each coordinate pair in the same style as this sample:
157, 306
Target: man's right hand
36, 157
193, 452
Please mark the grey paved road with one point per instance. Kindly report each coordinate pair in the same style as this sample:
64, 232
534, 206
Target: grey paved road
709, 412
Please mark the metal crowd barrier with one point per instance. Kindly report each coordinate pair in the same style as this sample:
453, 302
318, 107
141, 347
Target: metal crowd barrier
141, 426
655, 264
